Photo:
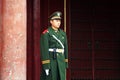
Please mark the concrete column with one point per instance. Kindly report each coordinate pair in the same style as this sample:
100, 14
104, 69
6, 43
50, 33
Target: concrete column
13, 52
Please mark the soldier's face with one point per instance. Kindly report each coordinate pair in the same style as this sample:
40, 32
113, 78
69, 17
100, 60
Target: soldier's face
55, 23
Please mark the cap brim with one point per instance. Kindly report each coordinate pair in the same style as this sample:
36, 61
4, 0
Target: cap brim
56, 18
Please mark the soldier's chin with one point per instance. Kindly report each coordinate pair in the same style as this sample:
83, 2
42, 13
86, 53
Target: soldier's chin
58, 26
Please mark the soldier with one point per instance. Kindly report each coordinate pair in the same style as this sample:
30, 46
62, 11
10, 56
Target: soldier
54, 50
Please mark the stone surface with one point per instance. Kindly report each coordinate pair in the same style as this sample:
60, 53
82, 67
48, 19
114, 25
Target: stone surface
0, 27
13, 53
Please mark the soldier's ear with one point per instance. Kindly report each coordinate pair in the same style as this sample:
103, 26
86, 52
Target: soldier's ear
51, 21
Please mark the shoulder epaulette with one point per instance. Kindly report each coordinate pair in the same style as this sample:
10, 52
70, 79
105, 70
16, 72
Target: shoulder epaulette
45, 31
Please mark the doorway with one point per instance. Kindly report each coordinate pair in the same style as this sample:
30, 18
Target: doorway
95, 42
38, 12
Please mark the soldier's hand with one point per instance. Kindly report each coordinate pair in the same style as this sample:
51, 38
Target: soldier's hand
47, 71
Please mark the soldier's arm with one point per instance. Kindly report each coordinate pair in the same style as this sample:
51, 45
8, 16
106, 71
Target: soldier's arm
66, 51
44, 51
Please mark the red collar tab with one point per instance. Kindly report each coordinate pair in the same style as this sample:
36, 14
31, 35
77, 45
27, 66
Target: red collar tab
45, 31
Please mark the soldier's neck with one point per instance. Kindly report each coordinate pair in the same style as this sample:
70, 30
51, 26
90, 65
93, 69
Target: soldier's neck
56, 29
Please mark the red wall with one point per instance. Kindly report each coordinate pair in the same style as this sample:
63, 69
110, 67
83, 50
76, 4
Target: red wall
0, 25
33, 34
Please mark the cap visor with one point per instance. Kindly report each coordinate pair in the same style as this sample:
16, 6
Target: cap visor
56, 19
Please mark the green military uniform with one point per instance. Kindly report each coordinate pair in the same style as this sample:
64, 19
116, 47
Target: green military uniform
57, 62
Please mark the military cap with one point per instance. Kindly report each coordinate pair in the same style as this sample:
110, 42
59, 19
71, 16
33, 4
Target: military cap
55, 16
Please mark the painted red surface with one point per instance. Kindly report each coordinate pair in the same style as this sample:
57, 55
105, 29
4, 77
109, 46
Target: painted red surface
13, 53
